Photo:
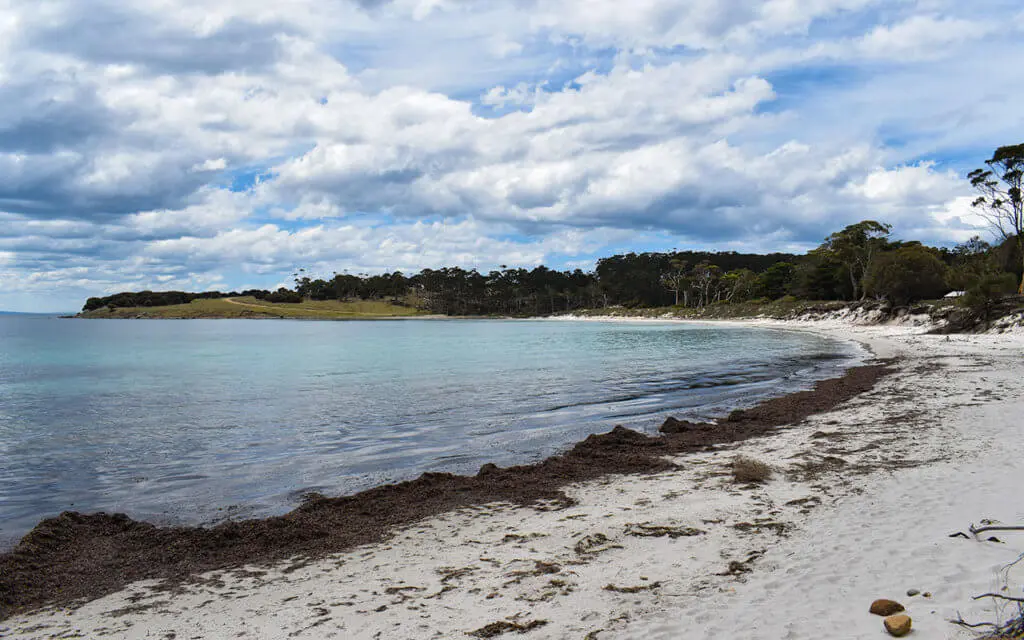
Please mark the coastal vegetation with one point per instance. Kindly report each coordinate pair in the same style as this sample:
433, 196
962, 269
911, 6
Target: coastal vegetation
1001, 199
858, 263
252, 307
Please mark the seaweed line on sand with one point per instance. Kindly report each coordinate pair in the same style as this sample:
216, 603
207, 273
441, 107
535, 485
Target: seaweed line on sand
75, 557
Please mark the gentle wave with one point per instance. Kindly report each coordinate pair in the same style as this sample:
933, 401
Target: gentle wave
186, 421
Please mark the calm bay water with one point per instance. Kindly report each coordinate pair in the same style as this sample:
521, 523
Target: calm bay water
194, 420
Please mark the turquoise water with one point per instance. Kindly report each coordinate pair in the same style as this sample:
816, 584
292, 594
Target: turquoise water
190, 421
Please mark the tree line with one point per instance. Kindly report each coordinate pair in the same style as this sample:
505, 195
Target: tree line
859, 262
166, 298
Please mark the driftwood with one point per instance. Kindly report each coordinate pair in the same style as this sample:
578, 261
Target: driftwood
963, 623
998, 595
1014, 628
995, 527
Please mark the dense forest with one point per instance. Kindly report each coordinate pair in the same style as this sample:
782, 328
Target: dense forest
859, 262
164, 298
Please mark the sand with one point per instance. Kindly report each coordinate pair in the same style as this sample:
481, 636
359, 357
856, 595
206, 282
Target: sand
861, 505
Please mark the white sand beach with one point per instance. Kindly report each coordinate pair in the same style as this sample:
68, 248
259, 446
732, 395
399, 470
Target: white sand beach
861, 506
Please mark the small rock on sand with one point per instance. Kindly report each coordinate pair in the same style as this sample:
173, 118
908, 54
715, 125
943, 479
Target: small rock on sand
913, 592
898, 625
885, 607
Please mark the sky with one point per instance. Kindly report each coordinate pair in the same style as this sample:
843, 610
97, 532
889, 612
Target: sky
223, 144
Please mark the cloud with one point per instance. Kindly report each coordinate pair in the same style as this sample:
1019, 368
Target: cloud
376, 247
921, 36
111, 33
700, 24
219, 142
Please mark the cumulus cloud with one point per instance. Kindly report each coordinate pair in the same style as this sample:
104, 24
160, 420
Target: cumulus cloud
209, 143
921, 36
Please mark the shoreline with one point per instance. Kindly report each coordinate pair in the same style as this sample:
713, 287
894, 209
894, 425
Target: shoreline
54, 542
706, 392
657, 554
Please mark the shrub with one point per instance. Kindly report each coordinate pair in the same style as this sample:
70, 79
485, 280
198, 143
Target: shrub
746, 469
283, 295
983, 295
905, 275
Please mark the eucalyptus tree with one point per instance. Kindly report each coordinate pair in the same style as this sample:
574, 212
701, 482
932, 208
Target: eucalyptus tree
677, 280
739, 285
705, 280
1000, 199
856, 247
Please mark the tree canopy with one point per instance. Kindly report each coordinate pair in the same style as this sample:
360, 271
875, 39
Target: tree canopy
907, 274
851, 264
855, 247
1001, 199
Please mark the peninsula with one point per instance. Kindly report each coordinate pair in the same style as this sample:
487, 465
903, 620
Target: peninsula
251, 307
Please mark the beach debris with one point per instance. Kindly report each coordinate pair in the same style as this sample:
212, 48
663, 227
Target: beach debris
884, 607
816, 466
452, 573
519, 538
913, 592
760, 525
495, 629
554, 588
808, 502
648, 530
898, 625
672, 425
749, 470
594, 543
999, 596
737, 568
926, 594
987, 525
971, 625
994, 525
636, 589
540, 568
403, 592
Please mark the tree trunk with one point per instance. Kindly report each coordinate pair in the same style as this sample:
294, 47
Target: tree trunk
1020, 250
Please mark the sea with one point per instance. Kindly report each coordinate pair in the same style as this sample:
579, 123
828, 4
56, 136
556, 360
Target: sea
198, 421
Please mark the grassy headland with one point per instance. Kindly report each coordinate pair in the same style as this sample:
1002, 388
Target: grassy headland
250, 307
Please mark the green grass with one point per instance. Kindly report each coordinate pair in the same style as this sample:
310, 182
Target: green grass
248, 307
